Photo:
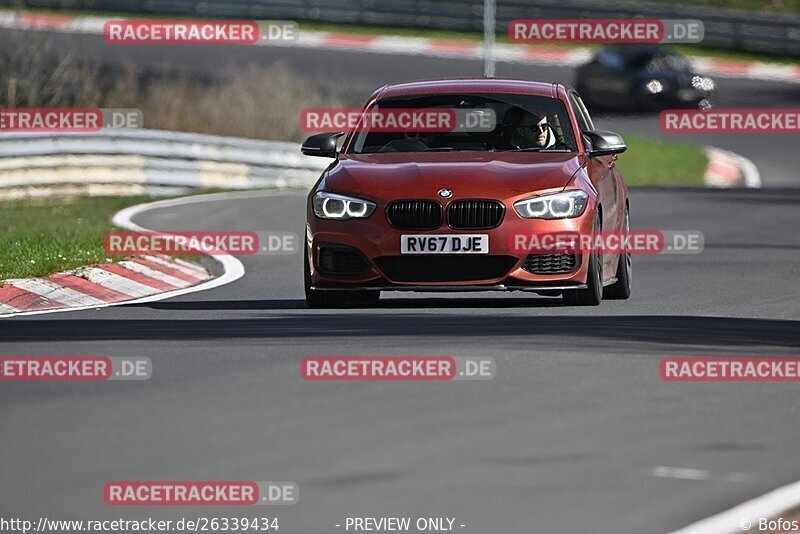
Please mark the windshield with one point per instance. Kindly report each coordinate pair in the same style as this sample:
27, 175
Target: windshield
667, 61
655, 60
485, 122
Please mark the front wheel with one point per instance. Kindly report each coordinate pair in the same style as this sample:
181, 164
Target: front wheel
621, 289
593, 294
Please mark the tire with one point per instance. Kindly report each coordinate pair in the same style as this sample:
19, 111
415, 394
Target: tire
335, 299
621, 289
314, 299
593, 294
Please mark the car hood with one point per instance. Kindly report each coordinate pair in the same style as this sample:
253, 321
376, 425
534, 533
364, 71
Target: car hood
467, 174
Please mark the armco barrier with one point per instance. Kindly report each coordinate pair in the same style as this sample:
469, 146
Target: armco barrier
151, 161
739, 30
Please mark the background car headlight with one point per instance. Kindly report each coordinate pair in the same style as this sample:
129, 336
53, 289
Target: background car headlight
340, 207
703, 83
654, 87
557, 206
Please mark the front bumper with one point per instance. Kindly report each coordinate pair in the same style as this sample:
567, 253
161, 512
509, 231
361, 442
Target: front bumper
460, 288
386, 269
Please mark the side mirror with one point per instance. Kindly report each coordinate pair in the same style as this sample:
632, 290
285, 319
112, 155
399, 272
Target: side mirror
322, 145
603, 143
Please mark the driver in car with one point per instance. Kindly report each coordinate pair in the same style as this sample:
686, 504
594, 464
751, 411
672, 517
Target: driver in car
524, 129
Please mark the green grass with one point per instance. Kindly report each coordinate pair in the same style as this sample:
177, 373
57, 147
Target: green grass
650, 162
41, 237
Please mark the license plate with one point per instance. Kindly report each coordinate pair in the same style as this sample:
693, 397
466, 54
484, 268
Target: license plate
444, 244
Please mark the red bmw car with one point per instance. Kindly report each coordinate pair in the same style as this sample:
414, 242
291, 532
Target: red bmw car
437, 210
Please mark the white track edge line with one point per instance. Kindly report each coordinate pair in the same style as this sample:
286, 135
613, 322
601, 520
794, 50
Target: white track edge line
768, 505
751, 177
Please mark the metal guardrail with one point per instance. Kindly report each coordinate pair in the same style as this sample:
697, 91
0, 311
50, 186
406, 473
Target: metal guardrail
153, 161
738, 30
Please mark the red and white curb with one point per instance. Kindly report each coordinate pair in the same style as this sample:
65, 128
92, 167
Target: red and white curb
138, 280
447, 48
729, 169
99, 285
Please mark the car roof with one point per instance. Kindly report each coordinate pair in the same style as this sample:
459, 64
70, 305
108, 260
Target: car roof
470, 85
641, 49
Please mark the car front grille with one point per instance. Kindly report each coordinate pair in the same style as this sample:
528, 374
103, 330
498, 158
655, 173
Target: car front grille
415, 214
451, 268
550, 263
340, 259
475, 214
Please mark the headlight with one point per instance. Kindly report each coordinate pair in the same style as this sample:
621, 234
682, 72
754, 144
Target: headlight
703, 83
654, 87
340, 207
557, 206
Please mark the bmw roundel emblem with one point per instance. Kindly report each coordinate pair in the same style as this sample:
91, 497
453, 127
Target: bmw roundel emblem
445, 193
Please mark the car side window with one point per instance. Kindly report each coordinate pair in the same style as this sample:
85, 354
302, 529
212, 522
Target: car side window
667, 61
610, 59
659, 62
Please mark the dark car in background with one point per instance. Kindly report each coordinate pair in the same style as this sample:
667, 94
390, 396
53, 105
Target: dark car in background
642, 78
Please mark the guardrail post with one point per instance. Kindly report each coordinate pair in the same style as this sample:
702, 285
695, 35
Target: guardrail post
488, 37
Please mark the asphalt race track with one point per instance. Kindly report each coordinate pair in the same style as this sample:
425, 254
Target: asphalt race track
572, 436
565, 439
